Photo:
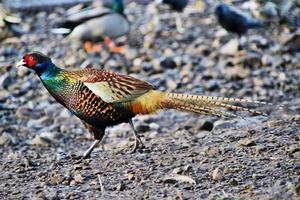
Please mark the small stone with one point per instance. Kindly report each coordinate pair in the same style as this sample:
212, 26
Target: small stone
26, 162
12, 156
78, 178
77, 166
297, 155
120, 186
5, 80
57, 178
216, 175
246, 142
294, 148
230, 48
154, 126
39, 141
233, 182
130, 176
171, 84
207, 126
168, 63
23, 112
7, 138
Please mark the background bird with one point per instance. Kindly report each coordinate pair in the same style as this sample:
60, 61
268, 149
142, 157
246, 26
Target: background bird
234, 20
178, 6
102, 98
92, 25
9, 24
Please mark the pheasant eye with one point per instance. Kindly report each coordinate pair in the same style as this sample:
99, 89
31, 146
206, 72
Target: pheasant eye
31, 61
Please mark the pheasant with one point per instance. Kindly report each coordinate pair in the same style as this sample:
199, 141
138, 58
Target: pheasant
234, 20
102, 98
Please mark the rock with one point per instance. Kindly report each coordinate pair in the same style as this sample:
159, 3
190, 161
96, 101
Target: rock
130, 176
216, 175
57, 178
230, 48
5, 80
168, 63
120, 186
207, 126
171, 84
179, 178
78, 178
233, 182
154, 126
12, 156
65, 114
291, 41
39, 141
246, 142
22, 112
7, 138
294, 148
49, 136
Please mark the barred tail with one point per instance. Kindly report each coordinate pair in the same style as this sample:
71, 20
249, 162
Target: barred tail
208, 105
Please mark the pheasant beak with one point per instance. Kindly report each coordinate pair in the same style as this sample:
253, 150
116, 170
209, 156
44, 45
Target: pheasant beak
21, 63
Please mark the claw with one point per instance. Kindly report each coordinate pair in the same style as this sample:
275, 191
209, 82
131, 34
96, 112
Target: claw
137, 143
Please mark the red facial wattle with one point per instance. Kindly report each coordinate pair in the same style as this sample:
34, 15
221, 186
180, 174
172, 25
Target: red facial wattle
30, 60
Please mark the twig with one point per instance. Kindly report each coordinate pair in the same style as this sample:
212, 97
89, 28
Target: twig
100, 182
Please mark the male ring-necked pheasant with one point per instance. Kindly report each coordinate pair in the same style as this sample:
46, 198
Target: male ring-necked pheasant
102, 98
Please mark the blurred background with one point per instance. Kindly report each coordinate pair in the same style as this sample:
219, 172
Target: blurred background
182, 49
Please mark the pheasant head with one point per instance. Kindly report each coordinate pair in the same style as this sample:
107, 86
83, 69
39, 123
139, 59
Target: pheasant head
36, 61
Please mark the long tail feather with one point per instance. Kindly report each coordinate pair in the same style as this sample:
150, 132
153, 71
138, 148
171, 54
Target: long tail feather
202, 110
205, 104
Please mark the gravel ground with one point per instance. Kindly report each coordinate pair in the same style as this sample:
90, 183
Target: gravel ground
251, 157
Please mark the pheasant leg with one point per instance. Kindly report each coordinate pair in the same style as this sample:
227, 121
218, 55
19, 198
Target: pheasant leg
138, 142
87, 153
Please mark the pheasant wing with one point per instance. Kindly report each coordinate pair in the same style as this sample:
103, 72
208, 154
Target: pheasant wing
112, 87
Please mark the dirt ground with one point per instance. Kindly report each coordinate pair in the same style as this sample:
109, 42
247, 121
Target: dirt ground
249, 157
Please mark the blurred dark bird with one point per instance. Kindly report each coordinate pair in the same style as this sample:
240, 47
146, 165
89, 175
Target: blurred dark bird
178, 6
234, 20
102, 98
92, 25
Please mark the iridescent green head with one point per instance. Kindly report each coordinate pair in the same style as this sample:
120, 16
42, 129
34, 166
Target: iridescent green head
118, 6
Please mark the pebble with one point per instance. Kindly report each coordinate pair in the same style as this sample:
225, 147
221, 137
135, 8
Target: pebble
5, 80
207, 126
246, 142
39, 141
57, 178
168, 63
7, 138
216, 175
230, 48
78, 178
